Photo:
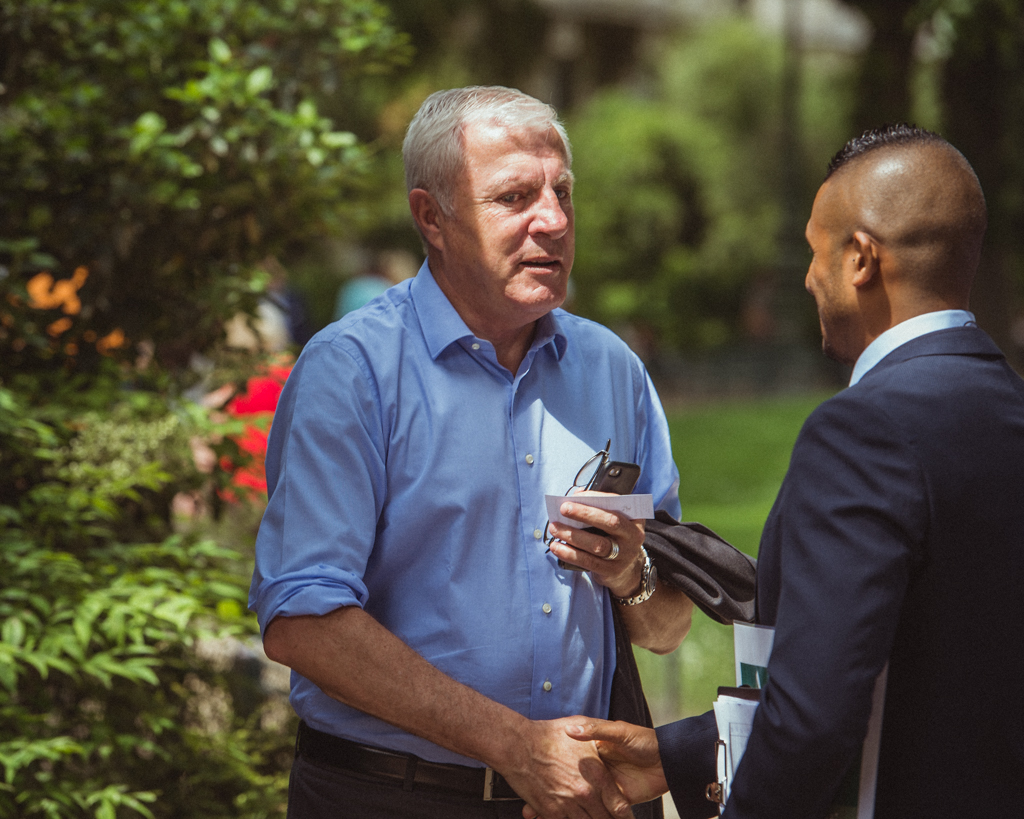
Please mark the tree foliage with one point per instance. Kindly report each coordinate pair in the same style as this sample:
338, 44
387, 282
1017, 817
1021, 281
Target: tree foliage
166, 146
678, 195
982, 92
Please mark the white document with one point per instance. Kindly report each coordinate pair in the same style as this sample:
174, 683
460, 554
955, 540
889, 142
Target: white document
634, 507
867, 777
752, 647
735, 717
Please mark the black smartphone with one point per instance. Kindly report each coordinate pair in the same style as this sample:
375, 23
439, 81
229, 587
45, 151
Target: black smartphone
617, 477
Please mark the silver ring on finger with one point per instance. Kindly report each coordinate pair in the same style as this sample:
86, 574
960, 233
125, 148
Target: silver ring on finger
614, 553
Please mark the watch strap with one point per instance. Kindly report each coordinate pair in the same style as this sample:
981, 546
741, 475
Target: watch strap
648, 583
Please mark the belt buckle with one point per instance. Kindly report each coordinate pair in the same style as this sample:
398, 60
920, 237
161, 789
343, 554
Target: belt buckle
491, 776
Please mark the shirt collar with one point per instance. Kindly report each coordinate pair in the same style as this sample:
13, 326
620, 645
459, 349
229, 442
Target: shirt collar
443, 326
906, 331
550, 331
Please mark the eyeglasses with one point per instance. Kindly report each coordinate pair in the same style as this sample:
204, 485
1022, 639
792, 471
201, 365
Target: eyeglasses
584, 479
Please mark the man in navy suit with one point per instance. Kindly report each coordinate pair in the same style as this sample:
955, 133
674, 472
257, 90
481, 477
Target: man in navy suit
898, 533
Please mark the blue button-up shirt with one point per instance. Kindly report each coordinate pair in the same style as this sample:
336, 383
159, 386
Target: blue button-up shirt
407, 470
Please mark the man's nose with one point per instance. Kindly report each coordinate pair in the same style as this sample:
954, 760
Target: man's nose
550, 214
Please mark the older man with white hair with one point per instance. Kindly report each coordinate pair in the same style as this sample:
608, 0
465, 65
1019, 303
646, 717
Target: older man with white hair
404, 567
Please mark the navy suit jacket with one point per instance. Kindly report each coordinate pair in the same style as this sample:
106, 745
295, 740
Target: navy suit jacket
897, 536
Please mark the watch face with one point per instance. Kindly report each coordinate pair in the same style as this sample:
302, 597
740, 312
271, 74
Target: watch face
650, 577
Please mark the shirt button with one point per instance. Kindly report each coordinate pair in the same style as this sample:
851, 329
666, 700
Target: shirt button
546, 608
475, 346
537, 534
529, 459
547, 685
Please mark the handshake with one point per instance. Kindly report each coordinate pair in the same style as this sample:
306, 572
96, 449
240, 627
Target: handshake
583, 767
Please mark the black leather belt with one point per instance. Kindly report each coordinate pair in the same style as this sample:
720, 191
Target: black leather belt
327, 749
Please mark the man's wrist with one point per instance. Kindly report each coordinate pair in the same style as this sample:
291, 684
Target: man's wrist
647, 585
629, 581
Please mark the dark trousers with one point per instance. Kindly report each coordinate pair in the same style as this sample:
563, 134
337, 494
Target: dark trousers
320, 792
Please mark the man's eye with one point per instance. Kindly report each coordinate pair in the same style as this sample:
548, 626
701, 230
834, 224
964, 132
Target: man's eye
509, 198
563, 194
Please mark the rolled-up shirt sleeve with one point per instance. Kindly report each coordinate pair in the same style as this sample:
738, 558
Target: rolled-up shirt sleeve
325, 484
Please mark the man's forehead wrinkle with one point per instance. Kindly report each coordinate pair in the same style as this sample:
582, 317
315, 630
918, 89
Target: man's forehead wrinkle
524, 137
532, 178
515, 176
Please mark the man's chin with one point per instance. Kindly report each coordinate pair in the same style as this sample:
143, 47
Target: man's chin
836, 355
556, 299
546, 295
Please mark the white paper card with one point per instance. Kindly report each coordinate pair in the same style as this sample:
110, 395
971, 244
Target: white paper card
753, 645
634, 507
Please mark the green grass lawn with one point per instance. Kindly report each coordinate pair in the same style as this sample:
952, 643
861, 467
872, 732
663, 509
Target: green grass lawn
732, 457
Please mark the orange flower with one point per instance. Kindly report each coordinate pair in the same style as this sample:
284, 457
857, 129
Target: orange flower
61, 325
111, 341
47, 294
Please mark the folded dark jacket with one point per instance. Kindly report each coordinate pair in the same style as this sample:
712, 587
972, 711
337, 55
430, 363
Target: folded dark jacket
716, 575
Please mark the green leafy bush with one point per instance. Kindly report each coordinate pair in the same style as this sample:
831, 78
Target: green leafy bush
109, 705
154, 153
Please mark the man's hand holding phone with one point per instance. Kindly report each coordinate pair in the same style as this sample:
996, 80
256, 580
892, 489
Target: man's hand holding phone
591, 547
611, 477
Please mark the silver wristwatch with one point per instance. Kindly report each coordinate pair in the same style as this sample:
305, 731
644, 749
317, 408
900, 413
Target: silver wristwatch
648, 581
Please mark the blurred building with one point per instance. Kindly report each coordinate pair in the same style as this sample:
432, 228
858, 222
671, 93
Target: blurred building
594, 43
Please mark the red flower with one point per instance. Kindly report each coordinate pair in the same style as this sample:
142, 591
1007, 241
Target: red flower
258, 401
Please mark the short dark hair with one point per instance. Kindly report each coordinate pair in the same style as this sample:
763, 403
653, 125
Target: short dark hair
884, 137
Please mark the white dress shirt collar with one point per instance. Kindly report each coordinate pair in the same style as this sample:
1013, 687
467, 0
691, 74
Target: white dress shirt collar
907, 331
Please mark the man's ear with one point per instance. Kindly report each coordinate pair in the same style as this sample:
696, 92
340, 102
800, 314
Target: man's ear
865, 258
428, 216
